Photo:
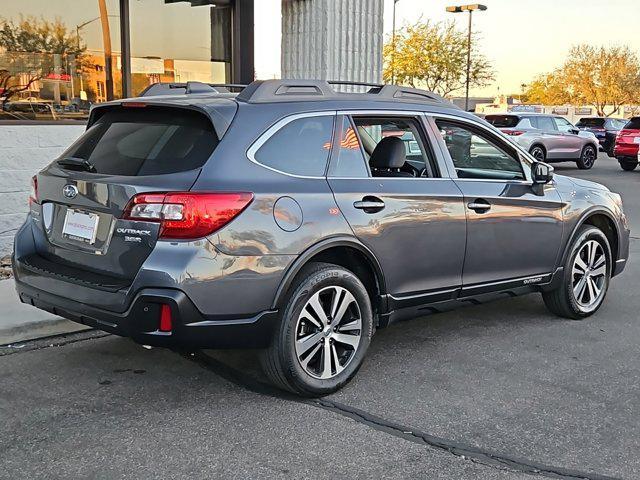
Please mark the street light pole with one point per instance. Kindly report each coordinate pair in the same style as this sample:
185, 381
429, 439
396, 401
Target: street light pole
470, 9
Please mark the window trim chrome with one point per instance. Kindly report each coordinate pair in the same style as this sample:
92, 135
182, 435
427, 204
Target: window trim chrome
276, 127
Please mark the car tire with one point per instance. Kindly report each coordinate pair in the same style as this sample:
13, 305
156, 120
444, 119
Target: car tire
588, 157
628, 165
302, 368
580, 295
538, 152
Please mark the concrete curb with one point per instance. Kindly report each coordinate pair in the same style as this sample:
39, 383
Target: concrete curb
20, 322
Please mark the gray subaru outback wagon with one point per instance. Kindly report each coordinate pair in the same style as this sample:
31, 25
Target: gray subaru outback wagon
298, 219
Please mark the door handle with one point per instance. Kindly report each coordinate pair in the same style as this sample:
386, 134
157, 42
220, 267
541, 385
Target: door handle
369, 204
479, 206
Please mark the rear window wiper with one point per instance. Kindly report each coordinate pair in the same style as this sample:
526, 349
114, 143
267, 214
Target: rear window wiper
77, 164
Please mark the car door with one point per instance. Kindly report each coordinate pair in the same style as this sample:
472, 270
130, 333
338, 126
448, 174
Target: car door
415, 223
552, 138
572, 143
514, 229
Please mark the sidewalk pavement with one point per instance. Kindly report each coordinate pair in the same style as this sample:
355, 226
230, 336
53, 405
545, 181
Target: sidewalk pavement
20, 322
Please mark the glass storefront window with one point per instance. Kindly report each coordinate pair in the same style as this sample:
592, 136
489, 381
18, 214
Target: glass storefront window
58, 57
174, 42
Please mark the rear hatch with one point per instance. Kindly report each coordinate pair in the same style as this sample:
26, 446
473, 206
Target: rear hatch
506, 123
630, 134
84, 193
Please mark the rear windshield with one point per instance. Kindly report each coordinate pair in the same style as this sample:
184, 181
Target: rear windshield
503, 121
591, 122
634, 124
146, 141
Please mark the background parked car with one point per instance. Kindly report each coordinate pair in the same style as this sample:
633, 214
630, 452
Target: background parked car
549, 138
627, 141
605, 129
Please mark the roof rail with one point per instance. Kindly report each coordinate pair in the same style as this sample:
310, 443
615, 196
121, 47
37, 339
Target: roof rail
263, 91
171, 88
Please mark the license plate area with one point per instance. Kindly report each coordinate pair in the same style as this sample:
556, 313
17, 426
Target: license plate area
80, 226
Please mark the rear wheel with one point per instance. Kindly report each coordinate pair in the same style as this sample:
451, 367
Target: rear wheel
538, 153
324, 332
587, 157
628, 165
585, 278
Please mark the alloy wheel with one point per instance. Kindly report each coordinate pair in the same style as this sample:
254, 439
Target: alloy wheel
328, 332
538, 154
588, 157
589, 274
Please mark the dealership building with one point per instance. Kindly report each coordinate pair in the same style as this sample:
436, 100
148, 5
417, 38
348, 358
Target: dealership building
113, 49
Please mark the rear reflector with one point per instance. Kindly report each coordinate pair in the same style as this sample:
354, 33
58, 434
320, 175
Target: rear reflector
187, 215
166, 322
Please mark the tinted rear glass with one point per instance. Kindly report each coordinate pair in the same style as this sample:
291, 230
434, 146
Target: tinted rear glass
591, 122
146, 141
634, 124
503, 121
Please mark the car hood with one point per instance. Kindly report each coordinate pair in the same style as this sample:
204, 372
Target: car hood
579, 182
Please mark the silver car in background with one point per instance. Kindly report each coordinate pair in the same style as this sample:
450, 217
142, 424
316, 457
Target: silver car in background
549, 138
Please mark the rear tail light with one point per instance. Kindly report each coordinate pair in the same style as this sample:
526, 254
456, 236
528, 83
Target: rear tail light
33, 194
187, 215
514, 133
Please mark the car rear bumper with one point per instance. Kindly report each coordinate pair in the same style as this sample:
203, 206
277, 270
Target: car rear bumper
626, 150
141, 321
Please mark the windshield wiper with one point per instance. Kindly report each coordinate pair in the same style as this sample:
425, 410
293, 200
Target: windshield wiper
77, 164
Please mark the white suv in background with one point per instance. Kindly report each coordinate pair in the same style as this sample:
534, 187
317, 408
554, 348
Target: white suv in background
549, 138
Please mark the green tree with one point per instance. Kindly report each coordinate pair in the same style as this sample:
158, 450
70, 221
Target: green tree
434, 56
31, 49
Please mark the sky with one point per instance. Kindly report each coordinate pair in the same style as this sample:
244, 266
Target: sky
521, 38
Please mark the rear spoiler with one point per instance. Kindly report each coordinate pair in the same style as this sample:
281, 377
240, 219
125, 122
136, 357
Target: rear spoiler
220, 113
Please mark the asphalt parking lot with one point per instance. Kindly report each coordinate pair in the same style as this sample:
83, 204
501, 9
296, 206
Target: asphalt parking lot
501, 390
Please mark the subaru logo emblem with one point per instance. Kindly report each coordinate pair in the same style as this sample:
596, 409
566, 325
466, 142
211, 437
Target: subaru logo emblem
70, 191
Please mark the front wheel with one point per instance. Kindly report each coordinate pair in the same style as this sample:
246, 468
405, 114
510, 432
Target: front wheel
586, 276
324, 332
538, 153
587, 157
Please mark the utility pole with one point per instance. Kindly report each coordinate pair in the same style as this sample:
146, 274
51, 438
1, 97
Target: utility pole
468, 8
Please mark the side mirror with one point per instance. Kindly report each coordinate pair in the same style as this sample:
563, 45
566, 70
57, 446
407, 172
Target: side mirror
541, 173
575, 131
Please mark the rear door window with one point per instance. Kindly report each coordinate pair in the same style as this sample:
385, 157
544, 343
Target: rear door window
148, 141
301, 147
546, 123
349, 158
